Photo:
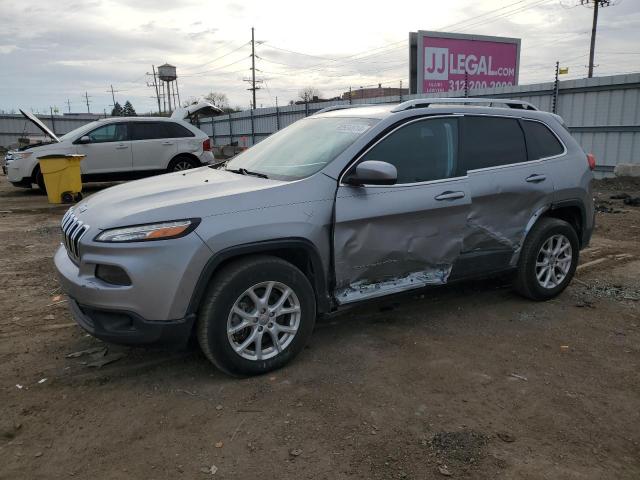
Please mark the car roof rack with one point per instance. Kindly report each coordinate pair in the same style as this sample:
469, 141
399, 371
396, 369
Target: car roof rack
342, 107
426, 102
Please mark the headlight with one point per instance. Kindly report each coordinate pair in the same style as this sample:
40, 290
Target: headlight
150, 231
21, 155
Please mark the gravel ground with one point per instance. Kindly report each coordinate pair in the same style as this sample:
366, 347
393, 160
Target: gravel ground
468, 381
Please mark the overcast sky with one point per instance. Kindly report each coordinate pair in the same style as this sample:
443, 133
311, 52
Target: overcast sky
54, 51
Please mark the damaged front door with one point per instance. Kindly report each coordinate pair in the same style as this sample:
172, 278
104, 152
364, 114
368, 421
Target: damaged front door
393, 238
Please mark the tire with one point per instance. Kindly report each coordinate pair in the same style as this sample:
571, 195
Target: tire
182, 162
552, 234
38, 179
228, 289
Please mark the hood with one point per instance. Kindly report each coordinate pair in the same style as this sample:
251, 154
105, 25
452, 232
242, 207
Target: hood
201, 109
36, 121
174, 196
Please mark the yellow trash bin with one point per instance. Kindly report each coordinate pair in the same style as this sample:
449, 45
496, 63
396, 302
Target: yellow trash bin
62, 177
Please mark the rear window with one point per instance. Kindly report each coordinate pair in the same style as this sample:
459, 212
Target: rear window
173, 130
146, 130
491, 142
541, 142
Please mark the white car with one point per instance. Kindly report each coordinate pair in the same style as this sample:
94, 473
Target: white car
120, 148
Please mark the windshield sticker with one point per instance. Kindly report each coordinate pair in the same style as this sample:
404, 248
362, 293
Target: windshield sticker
357, 128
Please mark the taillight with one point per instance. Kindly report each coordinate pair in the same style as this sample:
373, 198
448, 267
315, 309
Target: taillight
206, 145
591, 158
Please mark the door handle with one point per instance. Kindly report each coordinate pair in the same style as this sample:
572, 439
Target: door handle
121, 146
450, 196
167, 143
535, 178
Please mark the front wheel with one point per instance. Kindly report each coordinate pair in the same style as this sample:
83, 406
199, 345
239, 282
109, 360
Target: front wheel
548, 260
38, 178
257, 315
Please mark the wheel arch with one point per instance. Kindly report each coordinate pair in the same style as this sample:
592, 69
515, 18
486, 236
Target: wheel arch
189, 155
297, 251
572, 212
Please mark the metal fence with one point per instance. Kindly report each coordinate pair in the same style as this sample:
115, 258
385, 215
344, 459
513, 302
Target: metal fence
15, 126
602, 113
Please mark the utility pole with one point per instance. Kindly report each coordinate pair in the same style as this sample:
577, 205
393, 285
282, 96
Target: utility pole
253, 80
53, 122
155, 85
69, 105
253, 67
113, 96
596, 5
86, 98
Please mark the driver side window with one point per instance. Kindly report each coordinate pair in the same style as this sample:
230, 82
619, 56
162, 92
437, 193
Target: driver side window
421, 151
114, 132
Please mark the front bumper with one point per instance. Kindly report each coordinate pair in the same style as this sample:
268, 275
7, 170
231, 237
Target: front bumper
128, 328
157, 302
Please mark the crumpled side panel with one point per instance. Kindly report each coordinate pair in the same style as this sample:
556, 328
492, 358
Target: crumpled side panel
401, 235
503, 203
363, 290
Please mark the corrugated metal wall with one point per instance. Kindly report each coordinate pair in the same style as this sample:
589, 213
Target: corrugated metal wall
603, 113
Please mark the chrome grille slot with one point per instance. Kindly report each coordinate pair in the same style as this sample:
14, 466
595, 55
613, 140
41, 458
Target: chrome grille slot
72, 231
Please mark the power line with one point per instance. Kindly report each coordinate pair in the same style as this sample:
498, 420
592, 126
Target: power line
217, 68
221, 56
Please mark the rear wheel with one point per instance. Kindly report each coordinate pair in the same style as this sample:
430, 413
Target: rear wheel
256, 316
548, 260
182, 162
38, 179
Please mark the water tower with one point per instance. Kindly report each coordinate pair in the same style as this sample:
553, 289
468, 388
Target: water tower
169, 77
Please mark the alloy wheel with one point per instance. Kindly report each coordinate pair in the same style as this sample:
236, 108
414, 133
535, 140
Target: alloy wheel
263, 320
553, 261
182, 165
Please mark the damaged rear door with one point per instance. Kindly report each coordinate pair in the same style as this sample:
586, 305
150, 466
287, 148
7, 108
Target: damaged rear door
508, 188
396, 237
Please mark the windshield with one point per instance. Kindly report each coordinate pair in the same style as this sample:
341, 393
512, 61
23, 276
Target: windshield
303, 148
78, 130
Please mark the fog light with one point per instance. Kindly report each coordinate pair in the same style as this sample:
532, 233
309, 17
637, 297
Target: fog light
112, 274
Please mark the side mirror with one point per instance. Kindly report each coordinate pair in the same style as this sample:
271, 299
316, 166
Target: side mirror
84, 139
373, 172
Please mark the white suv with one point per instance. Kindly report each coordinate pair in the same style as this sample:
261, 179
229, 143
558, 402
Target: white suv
120, 148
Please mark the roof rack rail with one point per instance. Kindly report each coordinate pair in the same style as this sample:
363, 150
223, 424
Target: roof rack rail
342, 107
426, 102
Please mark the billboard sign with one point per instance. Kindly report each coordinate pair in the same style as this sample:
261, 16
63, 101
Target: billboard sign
444, 62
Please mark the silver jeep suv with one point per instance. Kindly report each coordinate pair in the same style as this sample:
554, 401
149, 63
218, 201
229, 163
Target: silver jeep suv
344, 206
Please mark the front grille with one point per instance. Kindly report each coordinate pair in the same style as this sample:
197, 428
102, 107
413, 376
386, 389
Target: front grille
72, 231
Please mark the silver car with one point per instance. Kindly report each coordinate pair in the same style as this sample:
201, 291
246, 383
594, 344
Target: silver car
342, 207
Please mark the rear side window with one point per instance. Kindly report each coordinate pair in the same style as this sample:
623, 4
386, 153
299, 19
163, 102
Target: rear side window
541, 142
421, 151
491, 142
173, 130
146, 130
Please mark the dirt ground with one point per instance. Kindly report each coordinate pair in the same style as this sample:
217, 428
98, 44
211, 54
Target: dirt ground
468, 381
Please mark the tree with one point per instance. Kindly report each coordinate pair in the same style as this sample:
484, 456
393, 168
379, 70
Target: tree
190, 101
220, 100
128, 110
117, 110
308, 93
